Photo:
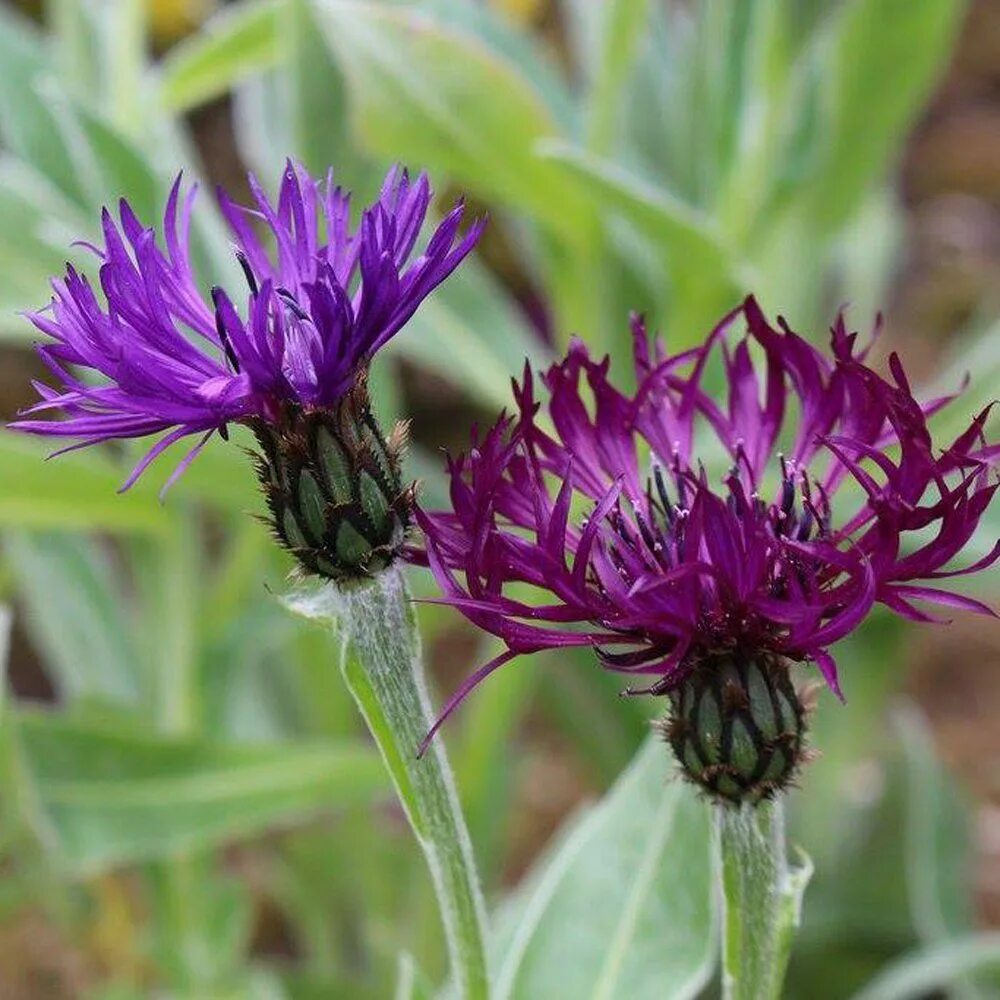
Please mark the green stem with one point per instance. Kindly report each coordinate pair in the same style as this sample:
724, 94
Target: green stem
762, 899
382, 666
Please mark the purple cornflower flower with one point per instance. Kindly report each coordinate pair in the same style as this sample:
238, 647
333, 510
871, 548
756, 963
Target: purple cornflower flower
600, 527
291, 363
317, 308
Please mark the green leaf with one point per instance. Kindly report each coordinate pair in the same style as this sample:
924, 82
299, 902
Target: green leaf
264, 125
882, 59
316, 99
469, 333
623, 906
937, 836
885, 821
167, 576
703, 277
27, 125
828, 813
222, 476
924, 972
427, 92
76, 48
200, 924
536, 62
37, 224
679, 228
123, 33
76, 615
575, 695
75, 491
769, 104
622, 25
485, 761
6, 620
938, 845
235, 44
107, 796
411, 983
119, 166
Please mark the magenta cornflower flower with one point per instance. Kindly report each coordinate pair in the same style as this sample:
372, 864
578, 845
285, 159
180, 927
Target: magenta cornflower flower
600, 526
321, 298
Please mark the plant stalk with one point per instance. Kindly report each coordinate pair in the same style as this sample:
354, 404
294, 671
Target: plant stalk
761, 899
382, 666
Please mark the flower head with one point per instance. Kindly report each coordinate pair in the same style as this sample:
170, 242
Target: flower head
318, 304
599, 525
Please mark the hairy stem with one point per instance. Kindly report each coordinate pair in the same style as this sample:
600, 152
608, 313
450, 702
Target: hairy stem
761, 896
382, 666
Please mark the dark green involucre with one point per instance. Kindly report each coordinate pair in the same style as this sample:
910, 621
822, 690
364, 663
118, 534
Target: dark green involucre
333, 486
737, 727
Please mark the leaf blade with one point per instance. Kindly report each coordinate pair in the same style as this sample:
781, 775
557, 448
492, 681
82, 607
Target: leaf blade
235, 44
110, 795
429, 92
622, 865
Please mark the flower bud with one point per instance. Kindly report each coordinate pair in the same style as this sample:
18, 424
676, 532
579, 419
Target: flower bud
333, 487
737, 727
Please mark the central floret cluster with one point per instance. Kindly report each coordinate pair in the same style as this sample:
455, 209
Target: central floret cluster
599, 523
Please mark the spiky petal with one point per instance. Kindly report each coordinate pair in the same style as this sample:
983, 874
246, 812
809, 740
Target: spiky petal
159, 356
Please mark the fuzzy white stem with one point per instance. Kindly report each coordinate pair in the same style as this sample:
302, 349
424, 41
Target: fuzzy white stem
382, 667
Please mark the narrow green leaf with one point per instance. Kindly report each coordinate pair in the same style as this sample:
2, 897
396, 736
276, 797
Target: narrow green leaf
766, 105
882, 59
168, 574
938, 843
485, 761
76, 615
623, 22
411, 983
937, 836
221, 476
107, 797
427, 92
115, 164
575, 696
236, 43
76, 49
469, 333
75, 491
703, 277
37, 225
316, 99
623, 905
27, 126
678, 227
924, 972
123, 33
534, 61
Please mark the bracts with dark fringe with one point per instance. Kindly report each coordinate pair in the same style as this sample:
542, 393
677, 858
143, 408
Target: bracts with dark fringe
333, 486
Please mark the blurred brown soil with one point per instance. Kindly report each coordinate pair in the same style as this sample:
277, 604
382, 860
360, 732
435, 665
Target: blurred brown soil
39, 963
951, 184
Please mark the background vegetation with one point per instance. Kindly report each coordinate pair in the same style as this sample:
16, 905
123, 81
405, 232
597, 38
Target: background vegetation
188, 807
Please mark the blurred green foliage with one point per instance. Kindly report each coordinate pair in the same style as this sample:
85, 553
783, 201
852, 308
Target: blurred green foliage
202, 755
